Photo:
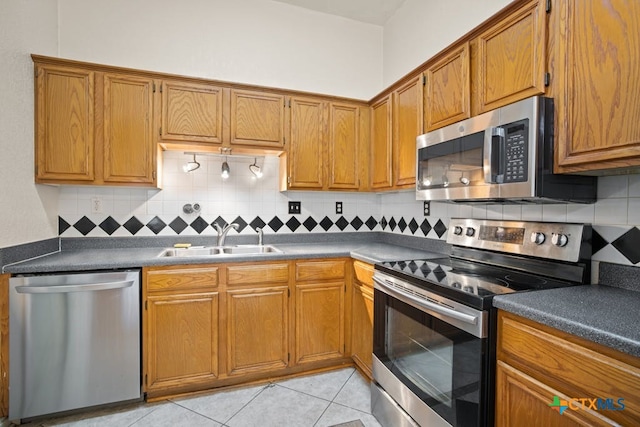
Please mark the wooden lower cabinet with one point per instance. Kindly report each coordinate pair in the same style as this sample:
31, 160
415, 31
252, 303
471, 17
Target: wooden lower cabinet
538, 365
362, 317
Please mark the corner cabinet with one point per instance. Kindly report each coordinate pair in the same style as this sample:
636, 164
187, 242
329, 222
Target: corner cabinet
596, 83
93, 127
537, 364
362, 317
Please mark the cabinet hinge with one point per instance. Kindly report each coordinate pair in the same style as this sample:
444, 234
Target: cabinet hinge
345, 289
153, 174
160, 131
146, 379
289, 103
547, 79
424, 80
288, 293
548, 6
35, 72
288, 357
160, 88
289, 180
146, 305
154, 88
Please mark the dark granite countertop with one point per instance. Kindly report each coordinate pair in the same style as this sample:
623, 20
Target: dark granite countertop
602, 314
110, 258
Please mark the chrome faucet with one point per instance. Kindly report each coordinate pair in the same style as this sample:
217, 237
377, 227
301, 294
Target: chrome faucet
260, 235
222, 232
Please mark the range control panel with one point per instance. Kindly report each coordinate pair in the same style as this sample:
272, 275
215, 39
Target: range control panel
558, 241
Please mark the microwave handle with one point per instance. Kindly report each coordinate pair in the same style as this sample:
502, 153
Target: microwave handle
494, 155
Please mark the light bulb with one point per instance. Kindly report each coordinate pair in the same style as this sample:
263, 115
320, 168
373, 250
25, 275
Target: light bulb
225, 170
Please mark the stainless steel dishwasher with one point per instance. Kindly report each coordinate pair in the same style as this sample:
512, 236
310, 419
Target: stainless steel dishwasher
74, 341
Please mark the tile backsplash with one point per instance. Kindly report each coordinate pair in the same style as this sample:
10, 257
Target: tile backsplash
258, 203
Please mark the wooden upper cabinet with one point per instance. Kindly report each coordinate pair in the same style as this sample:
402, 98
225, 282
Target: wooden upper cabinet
257, 119
344, 146
511, 58
381, 145
596, 83
447, 95
407, 125
191, 112
306, 147
129, 147
64, 124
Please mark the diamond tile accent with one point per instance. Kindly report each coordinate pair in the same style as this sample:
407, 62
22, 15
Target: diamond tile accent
628, 246
257, 222
84, 225
597, 242
342, 223
425, 227
293, 224
438, 271
383, 223
109, 225
241, 224
413, 226
392, 224
356, 223
326, 223
275, 224
220, 221
178, 225
371, 223
440, 228
133, 225
62, 225
402, 225
310, 223
156, 225
199, 225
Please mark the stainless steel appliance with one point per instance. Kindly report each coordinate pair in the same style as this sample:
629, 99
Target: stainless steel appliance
504, 155
434, 325
74, 341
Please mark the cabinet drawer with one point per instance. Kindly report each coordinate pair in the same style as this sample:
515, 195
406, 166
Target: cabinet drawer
179, 279
320, 270
574, 369
363, 272
257, 274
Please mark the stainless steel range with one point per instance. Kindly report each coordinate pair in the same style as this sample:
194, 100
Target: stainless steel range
434, 325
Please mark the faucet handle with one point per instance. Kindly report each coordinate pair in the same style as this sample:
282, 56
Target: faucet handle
218, 228
260, 235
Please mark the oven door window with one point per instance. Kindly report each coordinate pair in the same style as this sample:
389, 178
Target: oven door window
451, 164
440, 363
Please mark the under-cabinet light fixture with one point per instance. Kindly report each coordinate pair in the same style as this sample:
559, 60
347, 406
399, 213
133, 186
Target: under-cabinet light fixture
191, 166
225, 169
255, 169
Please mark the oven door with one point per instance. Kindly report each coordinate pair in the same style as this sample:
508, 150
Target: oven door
435, 370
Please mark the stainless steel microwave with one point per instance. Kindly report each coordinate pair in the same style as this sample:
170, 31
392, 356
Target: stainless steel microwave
502, 156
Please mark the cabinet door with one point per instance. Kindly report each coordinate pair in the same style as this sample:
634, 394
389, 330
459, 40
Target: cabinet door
407, 125
129, 147
521, 399
381, 138
511, 58
306, 148
182, 340
344, 146
64, 124
597, 77
447, 97
257, 119
191, 112
362, 326
320, 321
257, 330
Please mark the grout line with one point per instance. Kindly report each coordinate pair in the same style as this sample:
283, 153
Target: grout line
269, 385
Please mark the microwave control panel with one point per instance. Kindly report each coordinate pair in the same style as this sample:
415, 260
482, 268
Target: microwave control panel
516, 152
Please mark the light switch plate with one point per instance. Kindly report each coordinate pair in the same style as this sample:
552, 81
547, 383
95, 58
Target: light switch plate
427, 208
295, 207
339, 208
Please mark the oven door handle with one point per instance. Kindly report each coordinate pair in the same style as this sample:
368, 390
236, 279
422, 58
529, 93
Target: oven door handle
423, 303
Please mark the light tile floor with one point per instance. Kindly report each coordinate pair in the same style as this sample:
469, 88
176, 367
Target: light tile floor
318, 400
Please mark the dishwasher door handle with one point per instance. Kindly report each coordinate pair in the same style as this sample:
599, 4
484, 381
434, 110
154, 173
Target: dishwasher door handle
60, 289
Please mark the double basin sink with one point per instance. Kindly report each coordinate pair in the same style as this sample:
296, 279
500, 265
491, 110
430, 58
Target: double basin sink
219, 251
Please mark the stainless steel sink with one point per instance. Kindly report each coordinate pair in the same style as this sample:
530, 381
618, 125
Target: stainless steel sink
219, 251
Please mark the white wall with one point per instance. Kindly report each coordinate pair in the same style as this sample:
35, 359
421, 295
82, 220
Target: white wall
249, 41
422, 28
28, 212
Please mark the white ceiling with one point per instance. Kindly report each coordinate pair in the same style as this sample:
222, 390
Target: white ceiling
371, 11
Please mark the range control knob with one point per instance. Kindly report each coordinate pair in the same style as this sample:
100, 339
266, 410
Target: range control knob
537, 237
457, 230
470, 231
559, 239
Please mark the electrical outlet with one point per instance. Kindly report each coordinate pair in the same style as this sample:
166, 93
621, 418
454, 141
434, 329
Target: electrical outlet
96, 205
427, 208
295, 207
339, 208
